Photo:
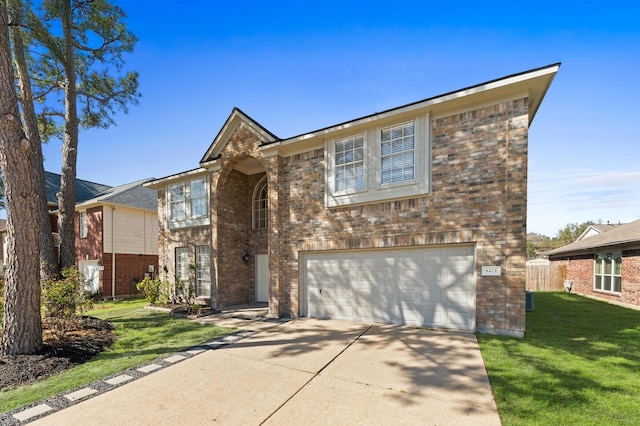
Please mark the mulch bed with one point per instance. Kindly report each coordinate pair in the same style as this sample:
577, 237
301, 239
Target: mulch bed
85, 339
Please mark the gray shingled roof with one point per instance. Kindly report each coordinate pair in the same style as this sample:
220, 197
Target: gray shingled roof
84, 189
132, 194
619, 235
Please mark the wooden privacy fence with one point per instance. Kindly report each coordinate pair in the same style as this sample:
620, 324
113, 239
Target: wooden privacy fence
546, 277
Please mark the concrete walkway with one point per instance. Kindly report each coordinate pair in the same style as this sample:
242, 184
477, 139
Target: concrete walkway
308, 371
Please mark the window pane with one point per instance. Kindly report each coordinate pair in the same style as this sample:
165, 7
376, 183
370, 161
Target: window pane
617, 284
598, 264
607, 264
397, 150
349, 164
617, 258
197, 188
598, 283
606, 284
182, 263
260, 204
203, 271
176, 194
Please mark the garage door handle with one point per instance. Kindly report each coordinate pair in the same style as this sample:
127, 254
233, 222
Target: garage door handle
320, 290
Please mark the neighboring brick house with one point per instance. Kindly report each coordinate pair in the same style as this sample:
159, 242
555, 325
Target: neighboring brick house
414, 215
116, 233
604, 262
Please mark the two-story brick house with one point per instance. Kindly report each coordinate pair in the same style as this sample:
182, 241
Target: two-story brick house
414, 215
116, 233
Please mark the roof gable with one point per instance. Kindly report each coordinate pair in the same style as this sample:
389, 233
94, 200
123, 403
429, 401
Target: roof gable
236, 119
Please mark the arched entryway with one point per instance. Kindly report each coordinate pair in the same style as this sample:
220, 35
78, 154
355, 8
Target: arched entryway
241, 239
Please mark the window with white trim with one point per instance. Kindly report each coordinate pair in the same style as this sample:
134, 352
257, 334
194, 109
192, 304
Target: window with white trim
608, 272
379, 162
83, 224
261, 204
203, 271
188, 203
349, 164
397, 153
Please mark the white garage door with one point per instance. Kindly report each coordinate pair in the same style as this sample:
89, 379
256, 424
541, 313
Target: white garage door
425, 287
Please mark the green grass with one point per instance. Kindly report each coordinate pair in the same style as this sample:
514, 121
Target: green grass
143, 335
578, 364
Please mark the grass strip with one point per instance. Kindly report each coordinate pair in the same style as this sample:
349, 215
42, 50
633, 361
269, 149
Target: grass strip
143, 335
578, 364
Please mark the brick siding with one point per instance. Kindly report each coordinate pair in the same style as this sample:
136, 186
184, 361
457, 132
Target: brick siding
580, 269
478, 196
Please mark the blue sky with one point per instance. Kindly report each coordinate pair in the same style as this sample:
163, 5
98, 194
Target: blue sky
300, 66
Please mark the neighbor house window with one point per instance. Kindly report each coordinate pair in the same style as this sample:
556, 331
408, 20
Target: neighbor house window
608, 272
83, 224
203, 271
349, 164
260, 204
182, 270
188, 204
397, 153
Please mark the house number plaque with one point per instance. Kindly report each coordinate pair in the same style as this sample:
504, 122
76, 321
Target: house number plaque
491, 271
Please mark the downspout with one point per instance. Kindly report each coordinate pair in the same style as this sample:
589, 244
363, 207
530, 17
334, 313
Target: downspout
113, 253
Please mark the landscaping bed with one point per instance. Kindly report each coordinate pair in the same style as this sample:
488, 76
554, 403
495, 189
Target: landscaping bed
86, 338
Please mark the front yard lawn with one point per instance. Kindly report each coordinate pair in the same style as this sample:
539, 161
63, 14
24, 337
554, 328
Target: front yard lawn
578, 364
143, 335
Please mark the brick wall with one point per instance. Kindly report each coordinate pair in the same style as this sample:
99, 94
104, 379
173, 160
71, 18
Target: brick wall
479, 172
580, 269
90, 247
128, 268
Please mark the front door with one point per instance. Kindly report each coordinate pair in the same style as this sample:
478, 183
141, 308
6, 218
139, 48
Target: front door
262, 277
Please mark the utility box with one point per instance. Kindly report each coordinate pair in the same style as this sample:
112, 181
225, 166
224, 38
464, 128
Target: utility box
529, 301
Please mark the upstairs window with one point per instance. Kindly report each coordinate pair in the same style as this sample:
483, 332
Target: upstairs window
349, 164
83, 224
608, 272
198, 198
397, 153
188, 204
260, 204
176, 193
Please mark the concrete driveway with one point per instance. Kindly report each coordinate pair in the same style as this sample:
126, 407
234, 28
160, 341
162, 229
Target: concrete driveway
309, 371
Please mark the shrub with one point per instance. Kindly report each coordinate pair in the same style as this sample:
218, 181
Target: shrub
64, 299
154, 290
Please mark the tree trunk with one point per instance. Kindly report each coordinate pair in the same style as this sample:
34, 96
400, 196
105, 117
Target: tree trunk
48, 258
22, 329
67, 195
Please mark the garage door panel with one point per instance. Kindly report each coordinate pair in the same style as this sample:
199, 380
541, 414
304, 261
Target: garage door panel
408, 296
431, 296
458, 298
428, 287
